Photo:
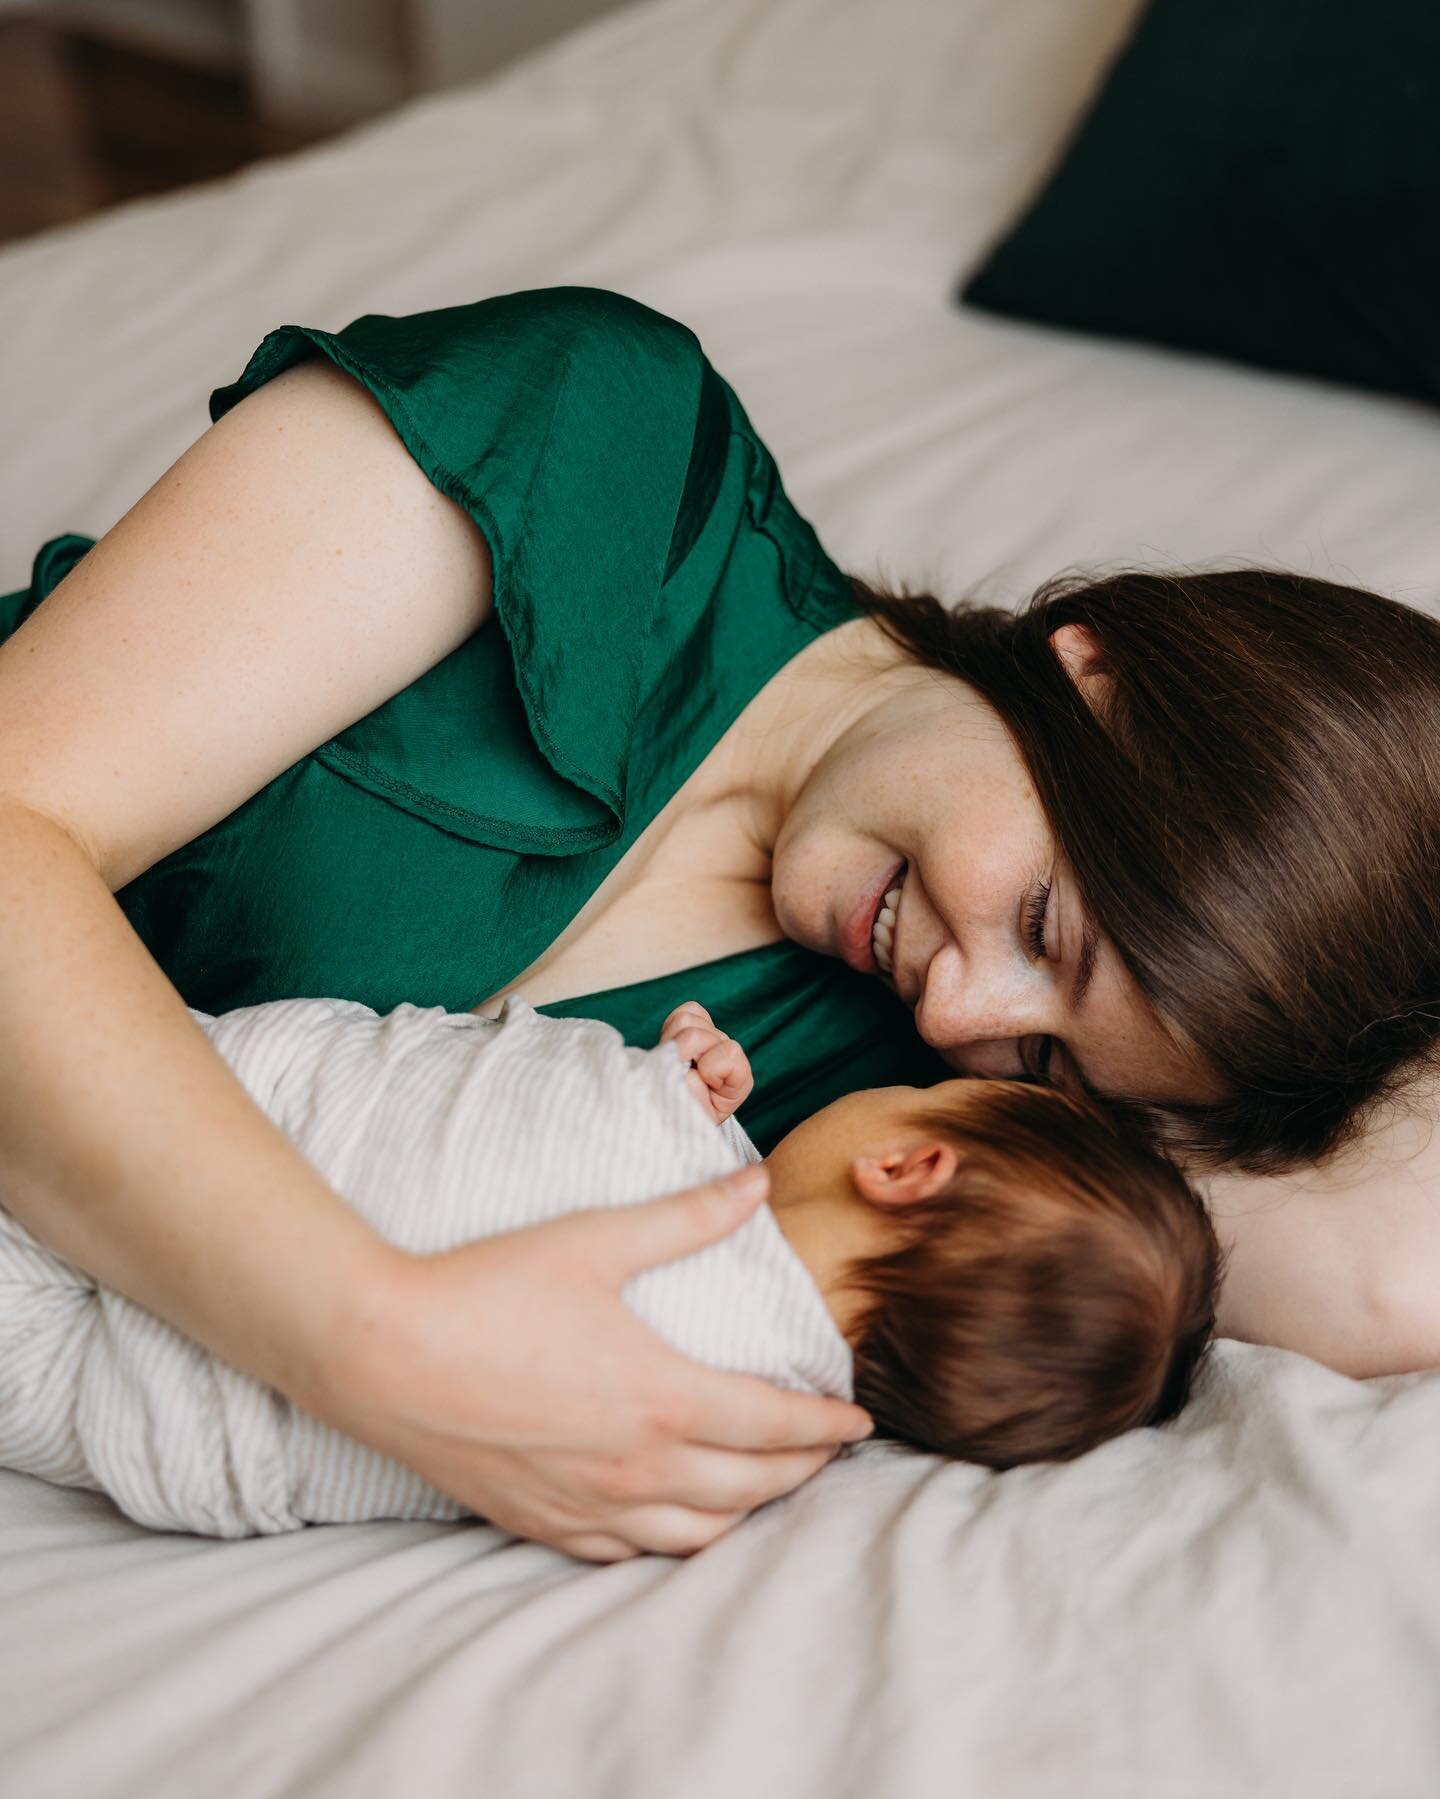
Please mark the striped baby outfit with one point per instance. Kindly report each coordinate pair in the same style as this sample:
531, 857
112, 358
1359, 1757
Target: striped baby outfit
437, 1127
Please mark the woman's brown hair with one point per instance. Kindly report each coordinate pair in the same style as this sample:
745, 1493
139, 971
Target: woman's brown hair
1253, 819
1061, 1289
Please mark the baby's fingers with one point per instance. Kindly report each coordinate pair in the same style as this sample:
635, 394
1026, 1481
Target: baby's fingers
697, 1086
724, 1061
692, 1041
725, 1070
691, 1012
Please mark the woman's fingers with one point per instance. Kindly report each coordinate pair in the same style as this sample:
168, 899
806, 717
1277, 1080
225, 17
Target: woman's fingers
742, 1411
734, 1481
620, 1243
738, 1411
596, 1546
676, 1530
712, 1493
705, 1493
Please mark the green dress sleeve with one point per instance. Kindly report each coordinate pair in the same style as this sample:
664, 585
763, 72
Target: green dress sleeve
586, 435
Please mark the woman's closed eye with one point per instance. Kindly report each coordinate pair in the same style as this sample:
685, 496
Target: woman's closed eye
1036, 1052
1037, 911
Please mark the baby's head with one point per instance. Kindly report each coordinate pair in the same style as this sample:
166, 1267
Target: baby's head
1019, 1277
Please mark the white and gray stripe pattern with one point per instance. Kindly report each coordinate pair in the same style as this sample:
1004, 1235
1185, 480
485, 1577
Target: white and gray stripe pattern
438, 1128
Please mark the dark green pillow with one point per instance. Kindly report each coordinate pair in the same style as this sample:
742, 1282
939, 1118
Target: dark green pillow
1259, 179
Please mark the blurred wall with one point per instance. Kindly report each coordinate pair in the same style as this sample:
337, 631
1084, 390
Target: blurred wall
457, 40
329, 62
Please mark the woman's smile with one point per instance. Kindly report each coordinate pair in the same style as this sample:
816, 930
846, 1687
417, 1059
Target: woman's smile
929, 764
887, 924
857, 933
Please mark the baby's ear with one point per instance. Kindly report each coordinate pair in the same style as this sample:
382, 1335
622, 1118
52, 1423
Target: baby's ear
900, 1177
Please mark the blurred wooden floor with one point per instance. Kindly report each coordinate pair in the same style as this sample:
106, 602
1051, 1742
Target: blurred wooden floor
84, 124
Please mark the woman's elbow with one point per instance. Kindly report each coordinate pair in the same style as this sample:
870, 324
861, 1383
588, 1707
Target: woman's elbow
1404, 1329
1390, 1325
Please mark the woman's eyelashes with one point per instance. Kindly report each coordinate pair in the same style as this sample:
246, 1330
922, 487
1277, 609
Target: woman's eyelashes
1037, 1064
1037, 1053
1037, 907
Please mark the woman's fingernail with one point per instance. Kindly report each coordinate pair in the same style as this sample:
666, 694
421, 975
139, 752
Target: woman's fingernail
748, 1182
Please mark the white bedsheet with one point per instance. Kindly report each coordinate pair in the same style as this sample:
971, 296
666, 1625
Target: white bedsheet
1246, 1604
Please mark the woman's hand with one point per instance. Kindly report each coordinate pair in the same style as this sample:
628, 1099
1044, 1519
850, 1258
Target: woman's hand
719, 1070
510, 1374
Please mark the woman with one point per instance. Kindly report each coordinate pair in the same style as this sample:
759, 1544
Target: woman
482, 650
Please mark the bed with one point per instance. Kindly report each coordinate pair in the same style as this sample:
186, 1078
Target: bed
1247, 1602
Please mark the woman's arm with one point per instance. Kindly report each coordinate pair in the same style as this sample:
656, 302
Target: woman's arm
1342, 1263
288, 574
129, 1148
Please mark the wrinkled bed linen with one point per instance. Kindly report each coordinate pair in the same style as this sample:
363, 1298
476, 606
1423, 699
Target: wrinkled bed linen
1244, 1603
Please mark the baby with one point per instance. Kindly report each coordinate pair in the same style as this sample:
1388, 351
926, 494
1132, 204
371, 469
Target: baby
989, 1267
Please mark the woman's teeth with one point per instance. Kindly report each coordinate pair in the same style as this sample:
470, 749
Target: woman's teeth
882, 938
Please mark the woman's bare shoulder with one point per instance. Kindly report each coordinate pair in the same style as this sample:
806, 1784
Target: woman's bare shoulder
288, 574
1342, 1262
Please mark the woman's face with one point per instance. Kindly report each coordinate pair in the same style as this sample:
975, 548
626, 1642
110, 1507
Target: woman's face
990, 947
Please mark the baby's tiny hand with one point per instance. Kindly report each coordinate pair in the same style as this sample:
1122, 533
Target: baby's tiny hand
719, 1076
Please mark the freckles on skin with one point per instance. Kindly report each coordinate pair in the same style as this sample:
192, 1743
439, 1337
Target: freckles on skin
977, 1003
1122, 1046
929, 774
1119, 1047
960, 963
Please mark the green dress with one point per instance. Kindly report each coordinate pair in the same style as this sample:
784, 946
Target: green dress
650, 575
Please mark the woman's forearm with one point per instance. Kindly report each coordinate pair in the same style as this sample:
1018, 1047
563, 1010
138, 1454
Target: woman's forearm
129, 1147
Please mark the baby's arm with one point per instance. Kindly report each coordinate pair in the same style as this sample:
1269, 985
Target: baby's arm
719, 1076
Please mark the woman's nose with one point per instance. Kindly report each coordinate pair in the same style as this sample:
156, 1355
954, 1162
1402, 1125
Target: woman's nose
975, 1001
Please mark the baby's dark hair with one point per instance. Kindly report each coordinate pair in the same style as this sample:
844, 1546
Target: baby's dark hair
1060, 1290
